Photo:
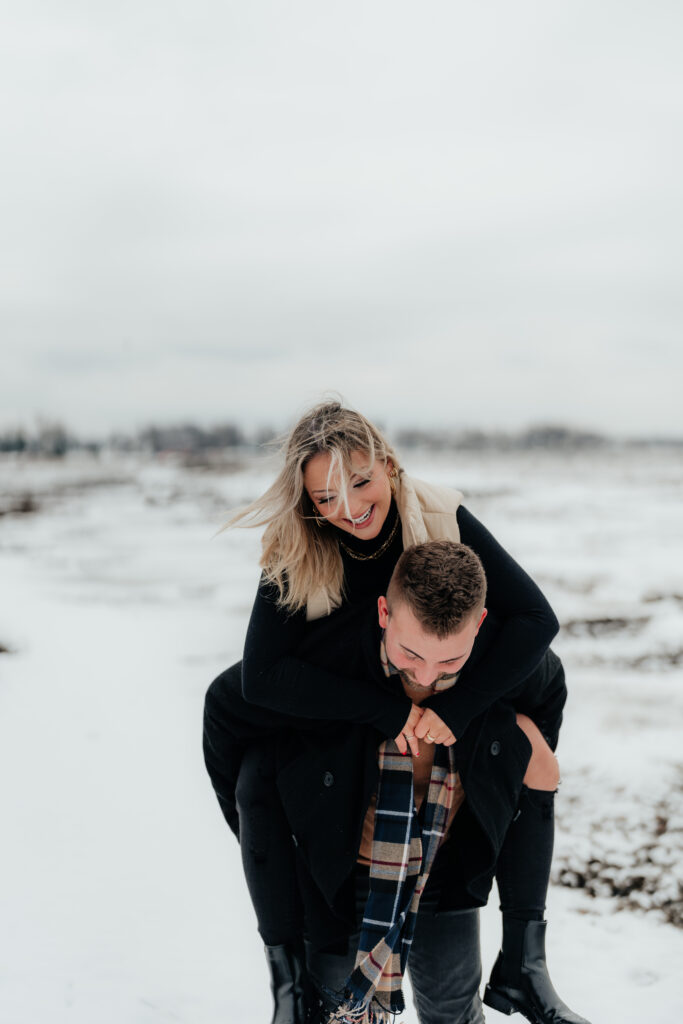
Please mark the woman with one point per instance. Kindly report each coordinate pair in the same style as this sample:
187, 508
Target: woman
337, 519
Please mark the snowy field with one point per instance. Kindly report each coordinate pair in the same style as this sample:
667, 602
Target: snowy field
121, 897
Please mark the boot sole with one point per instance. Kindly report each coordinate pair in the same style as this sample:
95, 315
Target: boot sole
497, 1001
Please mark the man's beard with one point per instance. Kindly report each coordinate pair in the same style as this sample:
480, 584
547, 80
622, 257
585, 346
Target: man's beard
410, 683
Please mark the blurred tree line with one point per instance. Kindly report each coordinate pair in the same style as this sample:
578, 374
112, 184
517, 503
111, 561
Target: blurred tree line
542, 436
54, 440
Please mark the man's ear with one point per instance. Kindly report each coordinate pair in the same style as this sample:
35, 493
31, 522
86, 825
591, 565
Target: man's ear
382, 611
483, 616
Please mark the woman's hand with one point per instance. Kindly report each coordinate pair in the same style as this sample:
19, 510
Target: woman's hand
406, 738
433, 729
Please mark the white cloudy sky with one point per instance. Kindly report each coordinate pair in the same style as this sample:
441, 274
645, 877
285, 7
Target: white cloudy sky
451, 212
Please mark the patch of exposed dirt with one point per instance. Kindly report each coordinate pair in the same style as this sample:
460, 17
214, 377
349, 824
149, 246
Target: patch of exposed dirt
605, 626
653, 597
634, 854
650, 661
19, 505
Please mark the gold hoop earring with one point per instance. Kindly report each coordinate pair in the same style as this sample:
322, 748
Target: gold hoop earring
318, 521
393, 475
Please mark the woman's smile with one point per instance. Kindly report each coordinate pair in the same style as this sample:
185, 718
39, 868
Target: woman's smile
365, 520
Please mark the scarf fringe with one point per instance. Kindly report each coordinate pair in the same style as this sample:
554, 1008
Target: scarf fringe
352, 1011
366, 1014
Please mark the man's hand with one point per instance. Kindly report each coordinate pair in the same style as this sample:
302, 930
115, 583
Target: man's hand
406, 737
433, 729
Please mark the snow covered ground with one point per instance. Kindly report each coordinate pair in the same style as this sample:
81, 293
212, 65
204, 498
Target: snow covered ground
121, 898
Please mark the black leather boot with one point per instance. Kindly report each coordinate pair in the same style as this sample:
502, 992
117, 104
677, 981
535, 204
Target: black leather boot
520, 982
289, 984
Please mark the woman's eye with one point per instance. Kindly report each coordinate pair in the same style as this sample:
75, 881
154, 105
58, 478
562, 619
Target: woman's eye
323, 501
361, 483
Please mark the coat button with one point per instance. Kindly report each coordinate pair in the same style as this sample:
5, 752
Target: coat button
495, 748
328, 779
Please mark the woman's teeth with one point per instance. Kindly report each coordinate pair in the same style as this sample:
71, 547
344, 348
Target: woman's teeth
364, 518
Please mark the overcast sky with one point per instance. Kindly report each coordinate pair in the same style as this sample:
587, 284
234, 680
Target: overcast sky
453, 213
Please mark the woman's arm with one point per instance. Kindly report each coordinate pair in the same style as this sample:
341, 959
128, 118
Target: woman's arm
528, 625
274, 676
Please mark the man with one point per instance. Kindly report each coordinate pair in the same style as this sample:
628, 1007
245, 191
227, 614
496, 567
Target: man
465, 796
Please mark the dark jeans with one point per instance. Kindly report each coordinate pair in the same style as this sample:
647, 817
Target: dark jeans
444, 961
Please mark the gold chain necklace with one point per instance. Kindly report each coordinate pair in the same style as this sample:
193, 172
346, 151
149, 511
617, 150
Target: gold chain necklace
376, 554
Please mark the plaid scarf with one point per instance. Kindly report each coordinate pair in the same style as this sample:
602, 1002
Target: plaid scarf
403, 851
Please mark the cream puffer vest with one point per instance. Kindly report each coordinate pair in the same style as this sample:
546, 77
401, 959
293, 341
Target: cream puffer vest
427, 512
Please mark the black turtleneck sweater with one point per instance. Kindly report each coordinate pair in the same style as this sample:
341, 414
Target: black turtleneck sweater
273, 675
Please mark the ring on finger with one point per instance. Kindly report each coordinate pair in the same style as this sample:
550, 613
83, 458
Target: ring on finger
430, 738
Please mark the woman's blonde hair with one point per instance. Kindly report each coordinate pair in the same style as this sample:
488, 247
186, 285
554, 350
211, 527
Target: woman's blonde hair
300, 557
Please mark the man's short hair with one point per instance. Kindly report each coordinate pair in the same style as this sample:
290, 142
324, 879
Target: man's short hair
443, 584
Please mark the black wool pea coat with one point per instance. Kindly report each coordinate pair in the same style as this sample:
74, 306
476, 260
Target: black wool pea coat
326, 772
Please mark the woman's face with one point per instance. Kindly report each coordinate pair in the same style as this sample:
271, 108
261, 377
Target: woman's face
369, 494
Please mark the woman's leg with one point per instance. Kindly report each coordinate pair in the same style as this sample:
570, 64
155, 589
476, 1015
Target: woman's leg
523, 868
519, 980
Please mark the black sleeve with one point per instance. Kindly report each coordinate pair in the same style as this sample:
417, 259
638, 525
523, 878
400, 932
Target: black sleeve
274, 677
528, 625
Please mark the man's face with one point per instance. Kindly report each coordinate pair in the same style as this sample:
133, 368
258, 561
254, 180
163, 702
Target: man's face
424, 658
